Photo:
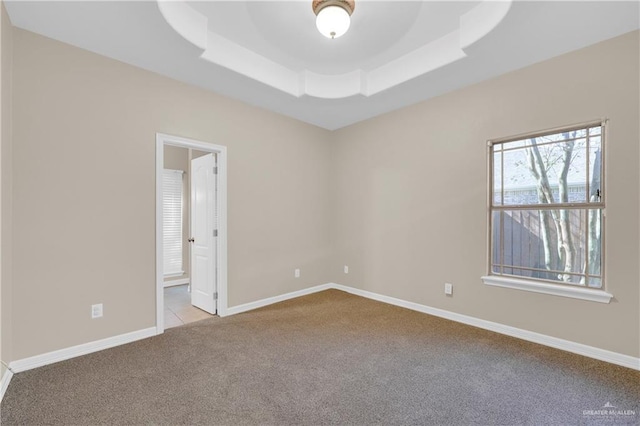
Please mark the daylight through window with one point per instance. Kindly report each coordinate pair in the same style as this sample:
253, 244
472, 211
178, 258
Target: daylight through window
172, 221
547, 206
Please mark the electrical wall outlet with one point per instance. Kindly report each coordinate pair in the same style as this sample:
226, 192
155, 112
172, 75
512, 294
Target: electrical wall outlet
96, 311
448, 289
346, 269
296, 273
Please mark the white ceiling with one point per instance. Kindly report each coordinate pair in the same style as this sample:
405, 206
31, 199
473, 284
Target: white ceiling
286, 33
269, 54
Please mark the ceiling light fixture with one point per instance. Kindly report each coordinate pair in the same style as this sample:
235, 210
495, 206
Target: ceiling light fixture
333, 17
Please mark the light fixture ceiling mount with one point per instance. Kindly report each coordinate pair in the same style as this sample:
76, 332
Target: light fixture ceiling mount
333, 17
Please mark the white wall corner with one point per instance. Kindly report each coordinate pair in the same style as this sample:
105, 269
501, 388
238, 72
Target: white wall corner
275, 299
4, 382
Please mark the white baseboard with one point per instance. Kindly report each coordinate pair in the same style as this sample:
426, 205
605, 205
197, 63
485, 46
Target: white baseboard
554, 342
172, 283
83, 349
86, 348
4, 384
271, 300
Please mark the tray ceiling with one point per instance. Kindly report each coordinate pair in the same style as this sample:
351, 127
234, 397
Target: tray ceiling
270, 54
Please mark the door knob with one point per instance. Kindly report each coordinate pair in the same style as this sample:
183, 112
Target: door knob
191, 240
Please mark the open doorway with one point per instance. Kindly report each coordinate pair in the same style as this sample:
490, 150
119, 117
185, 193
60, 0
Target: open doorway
190, 231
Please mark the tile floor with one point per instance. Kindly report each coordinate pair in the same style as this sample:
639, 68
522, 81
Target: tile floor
178, 309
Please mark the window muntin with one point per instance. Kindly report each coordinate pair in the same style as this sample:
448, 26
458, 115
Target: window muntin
547, 203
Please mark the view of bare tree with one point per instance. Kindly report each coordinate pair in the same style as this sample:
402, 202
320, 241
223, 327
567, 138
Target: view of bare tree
571, 253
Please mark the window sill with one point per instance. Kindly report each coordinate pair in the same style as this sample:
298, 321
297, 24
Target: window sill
174, 275
594, 295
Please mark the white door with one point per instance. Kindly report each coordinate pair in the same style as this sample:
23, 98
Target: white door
203, 233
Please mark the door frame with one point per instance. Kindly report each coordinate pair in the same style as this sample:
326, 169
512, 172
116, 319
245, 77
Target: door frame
221, 200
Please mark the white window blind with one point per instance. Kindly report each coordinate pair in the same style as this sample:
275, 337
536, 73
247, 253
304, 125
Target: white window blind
172, 221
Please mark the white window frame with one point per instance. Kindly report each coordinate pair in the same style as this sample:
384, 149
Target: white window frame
541, 286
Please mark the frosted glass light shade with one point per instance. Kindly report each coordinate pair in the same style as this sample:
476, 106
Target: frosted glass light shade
333, 21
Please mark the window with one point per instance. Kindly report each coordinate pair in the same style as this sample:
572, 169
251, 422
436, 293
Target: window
547, 209
172, 221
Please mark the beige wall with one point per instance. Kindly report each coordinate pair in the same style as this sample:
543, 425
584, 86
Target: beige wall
401, 199
409, 211
6, 231
196, 154
176, 158
84, 200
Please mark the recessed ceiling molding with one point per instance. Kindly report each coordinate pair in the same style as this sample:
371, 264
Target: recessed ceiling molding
481, 20
473, 26
189, 23
334, 86
224, 52
423, 60
136, 33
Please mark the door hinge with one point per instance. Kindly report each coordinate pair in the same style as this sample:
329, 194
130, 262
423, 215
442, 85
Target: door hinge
215, 296
215, 232
215, 170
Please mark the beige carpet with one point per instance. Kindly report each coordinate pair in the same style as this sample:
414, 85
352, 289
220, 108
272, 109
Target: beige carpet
327, 358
